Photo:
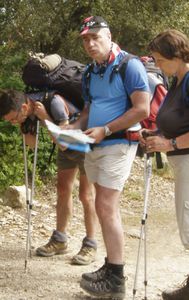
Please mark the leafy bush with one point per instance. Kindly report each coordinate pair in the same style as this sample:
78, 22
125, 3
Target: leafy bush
10, 67
11, 157
12, 170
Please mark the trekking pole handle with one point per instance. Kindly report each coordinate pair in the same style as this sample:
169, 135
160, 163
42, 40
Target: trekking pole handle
146, 134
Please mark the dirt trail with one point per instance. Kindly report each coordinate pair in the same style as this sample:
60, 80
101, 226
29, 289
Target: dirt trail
54, 278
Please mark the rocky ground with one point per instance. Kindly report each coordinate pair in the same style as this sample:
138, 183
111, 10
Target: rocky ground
54, 278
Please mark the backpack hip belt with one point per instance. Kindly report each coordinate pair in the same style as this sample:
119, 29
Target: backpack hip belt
124, 134
132, 135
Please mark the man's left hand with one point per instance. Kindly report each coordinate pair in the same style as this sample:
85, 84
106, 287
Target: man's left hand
157, 144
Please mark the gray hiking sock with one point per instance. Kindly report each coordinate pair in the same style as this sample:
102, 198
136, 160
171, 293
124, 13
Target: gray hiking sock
59, 236
89, 242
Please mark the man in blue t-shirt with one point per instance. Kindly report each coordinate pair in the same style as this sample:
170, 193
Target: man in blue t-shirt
112, 106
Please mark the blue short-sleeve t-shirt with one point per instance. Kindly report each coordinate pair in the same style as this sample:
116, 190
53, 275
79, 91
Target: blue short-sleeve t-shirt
110, 100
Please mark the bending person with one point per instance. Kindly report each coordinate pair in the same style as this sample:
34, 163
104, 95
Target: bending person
18, 108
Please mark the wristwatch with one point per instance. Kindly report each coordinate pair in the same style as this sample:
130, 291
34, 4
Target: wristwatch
107, 131
174, 143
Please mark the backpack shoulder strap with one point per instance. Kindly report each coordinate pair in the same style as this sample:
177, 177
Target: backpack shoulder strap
47, 99
87, 78
122, 66
186, 87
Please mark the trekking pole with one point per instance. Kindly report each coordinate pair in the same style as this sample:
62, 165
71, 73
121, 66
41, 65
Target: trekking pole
147, 177
26, 173
26, 183
28, 239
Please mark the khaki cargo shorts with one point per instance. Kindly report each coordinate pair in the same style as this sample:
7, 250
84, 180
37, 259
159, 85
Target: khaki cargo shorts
70, 159
110, 166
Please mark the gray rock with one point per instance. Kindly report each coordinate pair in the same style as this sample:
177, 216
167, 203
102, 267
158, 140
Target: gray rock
15, 196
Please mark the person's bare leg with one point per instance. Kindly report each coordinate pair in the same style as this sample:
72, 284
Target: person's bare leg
107, 208
87, 253
65, 183
109, 280
58, 241
87, 197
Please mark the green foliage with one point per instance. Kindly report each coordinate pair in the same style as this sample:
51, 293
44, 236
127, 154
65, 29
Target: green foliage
12, 170
10, 68
52, 26
11, 158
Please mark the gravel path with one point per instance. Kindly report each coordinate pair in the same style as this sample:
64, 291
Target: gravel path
54, 278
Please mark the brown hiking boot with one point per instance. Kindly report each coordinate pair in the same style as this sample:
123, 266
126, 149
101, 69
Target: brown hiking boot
85, 256
52, 248
181, 293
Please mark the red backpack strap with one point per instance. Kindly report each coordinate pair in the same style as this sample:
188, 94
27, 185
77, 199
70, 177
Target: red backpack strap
156, 102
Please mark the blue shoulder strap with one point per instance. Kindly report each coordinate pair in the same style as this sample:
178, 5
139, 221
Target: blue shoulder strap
186, 88
86, 78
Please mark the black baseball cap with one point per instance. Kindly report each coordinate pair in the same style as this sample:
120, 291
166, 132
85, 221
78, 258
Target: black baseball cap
92, 25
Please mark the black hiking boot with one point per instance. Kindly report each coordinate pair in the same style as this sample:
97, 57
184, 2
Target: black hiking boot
96, 275
108, 286
181, 293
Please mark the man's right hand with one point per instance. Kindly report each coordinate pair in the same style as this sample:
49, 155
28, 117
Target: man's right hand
96, 133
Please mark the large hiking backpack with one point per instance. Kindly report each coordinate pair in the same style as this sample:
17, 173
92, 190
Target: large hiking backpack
52, 72
158, 84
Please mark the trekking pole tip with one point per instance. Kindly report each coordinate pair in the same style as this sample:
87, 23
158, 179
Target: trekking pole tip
25, 266
134, 293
